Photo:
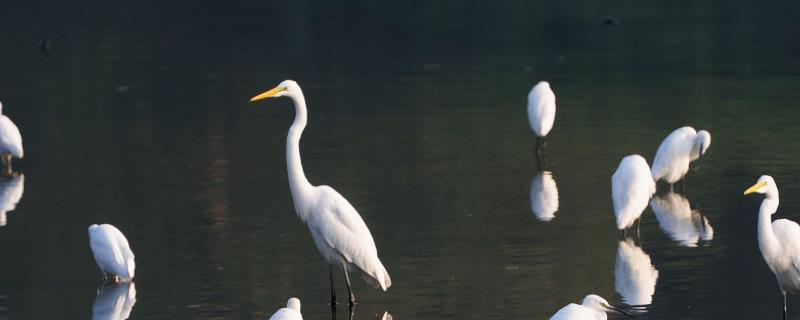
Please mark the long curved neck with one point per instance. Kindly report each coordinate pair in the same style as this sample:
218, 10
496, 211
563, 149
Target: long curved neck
298, 183
767, 241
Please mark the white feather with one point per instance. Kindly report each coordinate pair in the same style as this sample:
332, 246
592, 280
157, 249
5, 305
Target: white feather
679, 148
541, 108
291, 312
111, 251
631, 189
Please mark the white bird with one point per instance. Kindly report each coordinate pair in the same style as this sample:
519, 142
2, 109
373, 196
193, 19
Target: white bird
291, 312
112, 252
631, 189
541, 108
11, 191
114, 301
593, 307
10, 142
778, 240
544, 196
339, 232
679, 148
634, 275
679, 221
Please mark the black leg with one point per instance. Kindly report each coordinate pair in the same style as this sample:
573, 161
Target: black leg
541, 153
349, 290
785, 316
333, 292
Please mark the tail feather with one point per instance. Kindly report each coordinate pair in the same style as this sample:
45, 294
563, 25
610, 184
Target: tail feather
377, 276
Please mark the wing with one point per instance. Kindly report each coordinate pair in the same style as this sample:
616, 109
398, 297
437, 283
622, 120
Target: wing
125, 250
111, 251
10, 138
631, 188
788, 234
573, 312
541, 108
675, 148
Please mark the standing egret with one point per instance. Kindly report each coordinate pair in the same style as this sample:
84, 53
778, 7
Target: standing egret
778, 240
635, 276
679, 221
680, 147
10, 142
544, 196
631, 189
593, 307
112, 252
291, 312
11, 191
541, 112
339, 232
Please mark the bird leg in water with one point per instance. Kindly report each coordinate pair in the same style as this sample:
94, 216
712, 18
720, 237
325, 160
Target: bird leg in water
349, 290
785, 316
333, 291
541, 153
7, 171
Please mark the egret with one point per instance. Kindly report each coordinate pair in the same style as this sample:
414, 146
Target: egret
680, 147
634, 275
10, 142
593, 307
291, 312
339, 232
544, 196
11, 191
631, 188
541, 108
114, 301
112, 252
679, 221
779, 240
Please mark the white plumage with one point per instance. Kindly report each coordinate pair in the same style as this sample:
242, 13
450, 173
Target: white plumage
634, 275
10, 142
541, 108
679, 148
11, 191
778, 240
114, 301
111, 251
593, 307
679, 221
544, 196
291, 312
631, 189
339, 232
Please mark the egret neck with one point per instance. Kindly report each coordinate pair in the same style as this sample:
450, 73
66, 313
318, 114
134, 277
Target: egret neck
298, 183
767, 241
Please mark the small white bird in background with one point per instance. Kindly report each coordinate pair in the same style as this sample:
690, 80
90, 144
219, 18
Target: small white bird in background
635, 276
544, 196
631, 189
680, 147
114, 301
339, 232
679, 221
11, 191
593, 307
112, 252
291, 312
541, 111
10, 143
779, 240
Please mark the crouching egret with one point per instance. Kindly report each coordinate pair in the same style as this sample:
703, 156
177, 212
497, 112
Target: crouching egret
112, 252
778, 240
339, 232
679, 148
10, 142
541, 110
593, 307
631, 188
291, 312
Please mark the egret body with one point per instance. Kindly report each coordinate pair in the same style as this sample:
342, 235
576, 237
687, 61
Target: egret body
593, 307
541, 108
10, 142
631, 189
680, 147
291, 312
112, 252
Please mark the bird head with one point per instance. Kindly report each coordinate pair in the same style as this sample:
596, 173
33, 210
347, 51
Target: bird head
596, 302
703, 142
285, 88
766, 185
294, 304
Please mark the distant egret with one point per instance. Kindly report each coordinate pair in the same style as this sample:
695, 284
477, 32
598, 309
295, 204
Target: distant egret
10, 142
339, 232
634, 275
778, 240
544, 196
593, 307
631, 189
679, 221
541, 110
680, 147
291, 312
114, 301
112, 252
11, 191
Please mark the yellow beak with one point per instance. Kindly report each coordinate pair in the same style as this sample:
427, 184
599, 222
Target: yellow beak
267, 94
755, 187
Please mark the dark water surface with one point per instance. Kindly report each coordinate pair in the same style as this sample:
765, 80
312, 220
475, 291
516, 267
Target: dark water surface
137, 115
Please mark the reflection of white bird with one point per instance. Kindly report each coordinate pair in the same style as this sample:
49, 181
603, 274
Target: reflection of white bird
10, 142
544, 196
112, 252
541, 108
291, 312
679, 221
676, 151
114, 301
634, 275
778, 240
631, 188
340, 234
11, 191
593, 307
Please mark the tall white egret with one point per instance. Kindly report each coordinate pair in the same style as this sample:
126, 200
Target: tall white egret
634, 275
541, 111
544, 196
11, 191
631, 189
114, 301
593, 307
778, 240
291, 312
679, 221
339, 232
112, 252
10, 142
676, 151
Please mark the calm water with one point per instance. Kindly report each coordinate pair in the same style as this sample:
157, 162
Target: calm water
138, 116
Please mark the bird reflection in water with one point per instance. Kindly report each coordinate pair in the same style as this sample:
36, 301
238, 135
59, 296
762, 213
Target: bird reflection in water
114, 301
635, 276
544, 196
11, 191
679, 221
